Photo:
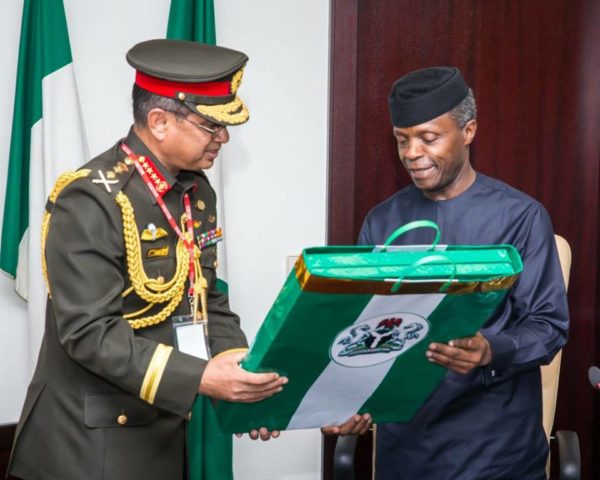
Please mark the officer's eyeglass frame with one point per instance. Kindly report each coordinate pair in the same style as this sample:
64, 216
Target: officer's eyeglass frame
213, 131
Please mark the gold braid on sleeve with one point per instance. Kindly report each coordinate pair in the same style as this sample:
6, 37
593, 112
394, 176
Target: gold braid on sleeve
150, 290
64, 180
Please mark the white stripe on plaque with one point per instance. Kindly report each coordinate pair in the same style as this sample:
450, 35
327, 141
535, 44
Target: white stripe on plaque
339, 392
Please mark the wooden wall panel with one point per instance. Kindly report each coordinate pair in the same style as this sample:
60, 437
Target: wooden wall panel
7, 433
342, 121
535, 68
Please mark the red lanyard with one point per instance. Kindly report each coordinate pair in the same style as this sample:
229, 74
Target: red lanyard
187, 241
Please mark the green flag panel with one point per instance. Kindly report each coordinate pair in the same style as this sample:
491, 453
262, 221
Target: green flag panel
43, 49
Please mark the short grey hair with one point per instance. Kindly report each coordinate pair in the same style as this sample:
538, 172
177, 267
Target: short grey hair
465, 111
144, 101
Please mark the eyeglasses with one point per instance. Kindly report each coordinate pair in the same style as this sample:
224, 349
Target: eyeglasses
213, 131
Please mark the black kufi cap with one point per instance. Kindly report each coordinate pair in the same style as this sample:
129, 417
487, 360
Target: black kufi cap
423, 95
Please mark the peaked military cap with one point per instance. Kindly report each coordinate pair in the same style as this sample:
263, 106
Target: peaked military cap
423, 95
204, 77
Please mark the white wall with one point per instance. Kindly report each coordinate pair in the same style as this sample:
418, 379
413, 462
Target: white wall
274, 166
275, 180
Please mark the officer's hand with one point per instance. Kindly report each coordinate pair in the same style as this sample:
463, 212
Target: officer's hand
357, 425
263, 433
461, 355
224, 379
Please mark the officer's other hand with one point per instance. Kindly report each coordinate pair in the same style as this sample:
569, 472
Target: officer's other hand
356, 425
462, 354
224, 379
263, 433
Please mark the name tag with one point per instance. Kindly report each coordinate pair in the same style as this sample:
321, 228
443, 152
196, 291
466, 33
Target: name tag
158, 252
190, 337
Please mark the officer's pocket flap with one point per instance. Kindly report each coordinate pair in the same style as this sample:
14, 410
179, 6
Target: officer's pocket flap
115, 410
208, 258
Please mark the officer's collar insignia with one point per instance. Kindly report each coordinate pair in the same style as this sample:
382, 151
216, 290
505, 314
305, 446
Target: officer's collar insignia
152, 233
106, 182
154, 174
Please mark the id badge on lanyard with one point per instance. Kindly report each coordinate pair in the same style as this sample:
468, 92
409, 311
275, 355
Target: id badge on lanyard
191, 337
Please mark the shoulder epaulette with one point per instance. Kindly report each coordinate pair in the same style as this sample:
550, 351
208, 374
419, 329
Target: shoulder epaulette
111, 177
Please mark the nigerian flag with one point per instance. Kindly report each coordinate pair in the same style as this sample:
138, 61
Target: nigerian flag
209, 450
47, 138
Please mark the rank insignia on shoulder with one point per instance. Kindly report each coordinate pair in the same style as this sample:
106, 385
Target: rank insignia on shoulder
107, 182
158, 252
110, 175
151, 233
120, 167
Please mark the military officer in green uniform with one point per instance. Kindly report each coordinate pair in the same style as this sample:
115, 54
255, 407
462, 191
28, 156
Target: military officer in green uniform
130, 258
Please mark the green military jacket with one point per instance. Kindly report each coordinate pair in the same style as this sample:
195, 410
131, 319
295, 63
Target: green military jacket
110, 395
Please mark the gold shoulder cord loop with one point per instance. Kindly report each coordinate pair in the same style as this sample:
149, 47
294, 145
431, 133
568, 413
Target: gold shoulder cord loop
151, 290
64, 180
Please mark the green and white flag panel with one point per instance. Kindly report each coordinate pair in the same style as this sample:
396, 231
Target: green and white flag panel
356, 352
47, 138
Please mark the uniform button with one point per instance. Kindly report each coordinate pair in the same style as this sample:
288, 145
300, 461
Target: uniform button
493, 373
122, 419
189, 417
216, 264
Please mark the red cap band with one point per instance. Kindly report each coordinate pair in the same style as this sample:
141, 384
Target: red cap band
168, 88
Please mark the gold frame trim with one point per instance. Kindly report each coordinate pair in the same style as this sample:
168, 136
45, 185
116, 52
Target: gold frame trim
314, 283
154, 373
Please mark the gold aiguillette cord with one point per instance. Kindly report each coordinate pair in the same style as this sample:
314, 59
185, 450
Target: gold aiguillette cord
200, 297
